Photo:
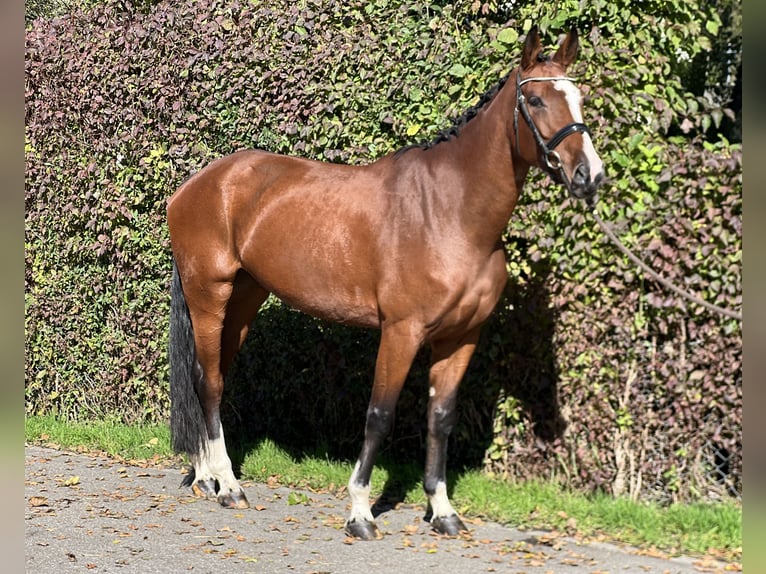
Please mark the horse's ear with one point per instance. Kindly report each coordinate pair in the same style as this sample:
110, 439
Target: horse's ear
532, 48
567, 51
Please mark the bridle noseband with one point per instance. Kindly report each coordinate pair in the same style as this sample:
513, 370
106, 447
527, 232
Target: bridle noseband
551, 157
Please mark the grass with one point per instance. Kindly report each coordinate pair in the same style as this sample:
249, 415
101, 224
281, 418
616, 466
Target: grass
108, 437
696, 529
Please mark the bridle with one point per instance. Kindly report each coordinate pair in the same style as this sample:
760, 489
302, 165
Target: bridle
550, 155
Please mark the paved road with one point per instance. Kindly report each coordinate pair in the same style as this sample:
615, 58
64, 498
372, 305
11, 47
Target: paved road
91, 514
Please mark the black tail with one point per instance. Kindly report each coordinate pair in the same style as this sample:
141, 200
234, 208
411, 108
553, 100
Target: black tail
187, 421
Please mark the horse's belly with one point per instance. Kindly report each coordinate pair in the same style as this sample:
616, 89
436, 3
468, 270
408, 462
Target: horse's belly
334, 291
334, 305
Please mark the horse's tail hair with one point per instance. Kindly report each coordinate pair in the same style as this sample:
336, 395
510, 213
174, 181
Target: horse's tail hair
187, 421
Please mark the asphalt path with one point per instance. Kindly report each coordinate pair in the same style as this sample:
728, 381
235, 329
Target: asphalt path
86, 513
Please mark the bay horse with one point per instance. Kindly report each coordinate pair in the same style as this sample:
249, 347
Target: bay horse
408, 244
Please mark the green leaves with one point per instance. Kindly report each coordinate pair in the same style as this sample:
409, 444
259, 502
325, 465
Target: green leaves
297, 498
458, 70
508, 36
712, 26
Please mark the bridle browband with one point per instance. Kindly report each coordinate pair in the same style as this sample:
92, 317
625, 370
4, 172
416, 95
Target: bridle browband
551, 157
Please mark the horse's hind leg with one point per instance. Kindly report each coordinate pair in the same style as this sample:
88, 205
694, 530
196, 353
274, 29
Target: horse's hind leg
220, 322
449, 361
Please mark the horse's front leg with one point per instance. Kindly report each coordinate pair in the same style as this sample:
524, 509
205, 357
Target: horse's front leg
449, 361
399, 344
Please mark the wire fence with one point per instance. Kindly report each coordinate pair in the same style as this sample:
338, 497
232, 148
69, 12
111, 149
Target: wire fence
712, 473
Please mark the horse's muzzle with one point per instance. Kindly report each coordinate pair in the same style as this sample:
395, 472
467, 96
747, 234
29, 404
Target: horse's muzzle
581, 185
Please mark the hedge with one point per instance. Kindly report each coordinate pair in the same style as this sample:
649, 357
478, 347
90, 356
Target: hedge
587, 373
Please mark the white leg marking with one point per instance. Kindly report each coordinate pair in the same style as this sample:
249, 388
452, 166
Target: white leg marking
360, 499
201, 468
574, 99
217, 461
440, 504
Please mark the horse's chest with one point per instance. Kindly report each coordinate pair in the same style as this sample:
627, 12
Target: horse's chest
472, 304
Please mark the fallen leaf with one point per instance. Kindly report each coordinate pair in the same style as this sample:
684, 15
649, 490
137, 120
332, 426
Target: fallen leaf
36, 501
72, 481
652, 551
475, 521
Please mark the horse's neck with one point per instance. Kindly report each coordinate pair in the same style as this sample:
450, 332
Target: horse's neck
492, 175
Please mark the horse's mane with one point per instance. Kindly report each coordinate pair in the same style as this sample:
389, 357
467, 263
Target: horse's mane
467, 116
458, 123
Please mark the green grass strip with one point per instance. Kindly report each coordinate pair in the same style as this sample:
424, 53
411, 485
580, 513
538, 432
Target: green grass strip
137, 442
697, 528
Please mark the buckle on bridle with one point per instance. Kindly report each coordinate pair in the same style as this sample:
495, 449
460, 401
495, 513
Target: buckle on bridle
552, 159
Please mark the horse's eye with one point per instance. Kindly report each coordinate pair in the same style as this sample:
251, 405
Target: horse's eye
535, 102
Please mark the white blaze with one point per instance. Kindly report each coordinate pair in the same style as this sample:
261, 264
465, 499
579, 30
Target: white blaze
573, 97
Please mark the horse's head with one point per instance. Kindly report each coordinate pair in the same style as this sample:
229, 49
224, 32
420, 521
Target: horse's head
551, 133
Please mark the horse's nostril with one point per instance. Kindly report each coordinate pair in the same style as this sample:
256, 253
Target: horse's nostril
581, 174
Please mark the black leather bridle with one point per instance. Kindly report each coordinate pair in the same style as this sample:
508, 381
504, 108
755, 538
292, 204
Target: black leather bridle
550, 155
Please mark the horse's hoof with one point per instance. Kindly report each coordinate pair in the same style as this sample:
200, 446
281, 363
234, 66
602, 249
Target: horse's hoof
235, 500
363, 530
204, 488
448, 525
